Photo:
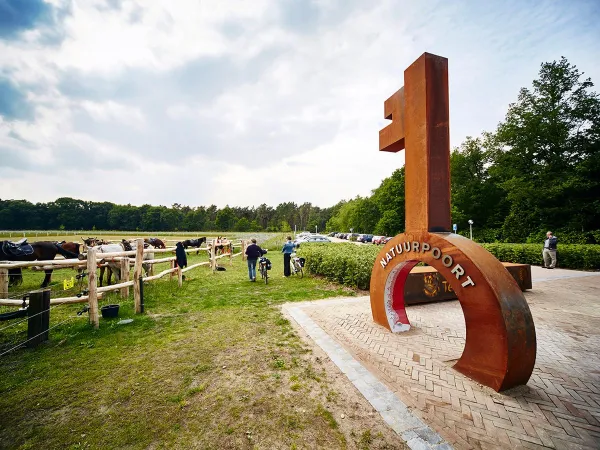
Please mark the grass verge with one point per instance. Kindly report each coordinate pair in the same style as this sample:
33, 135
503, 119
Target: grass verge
213, 364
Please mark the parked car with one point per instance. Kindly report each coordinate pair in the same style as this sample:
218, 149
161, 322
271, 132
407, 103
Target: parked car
352, 236
317, 239
367, 238
377, 239
386, 240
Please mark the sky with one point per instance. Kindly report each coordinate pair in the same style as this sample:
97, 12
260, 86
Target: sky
239, 102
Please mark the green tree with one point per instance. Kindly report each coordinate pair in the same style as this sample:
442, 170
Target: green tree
475, 194
389, 198
243, 225
225, 219
547, 161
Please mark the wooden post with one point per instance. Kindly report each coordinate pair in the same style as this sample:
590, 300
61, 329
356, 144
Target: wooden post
137, 273
243, 249
92, 287
39, 317
213, 254
179, 276
172, 266
231, 253
3, 283
125, 276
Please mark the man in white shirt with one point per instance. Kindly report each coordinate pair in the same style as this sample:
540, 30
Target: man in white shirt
549, 253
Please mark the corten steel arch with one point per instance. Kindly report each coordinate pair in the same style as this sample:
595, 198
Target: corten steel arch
500, 346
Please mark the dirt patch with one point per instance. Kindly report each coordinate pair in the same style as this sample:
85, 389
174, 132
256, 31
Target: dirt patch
348, 406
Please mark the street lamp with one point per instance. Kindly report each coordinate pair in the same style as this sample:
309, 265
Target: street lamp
316, 229
471, 228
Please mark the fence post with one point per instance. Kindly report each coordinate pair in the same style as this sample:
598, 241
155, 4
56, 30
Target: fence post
231, 253
137, 274
39, 317
172, 266
213, 254
92, 287
125, 276
243, 249
179, 276
3, 283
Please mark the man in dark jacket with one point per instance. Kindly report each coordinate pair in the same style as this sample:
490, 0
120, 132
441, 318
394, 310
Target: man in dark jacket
549, 252
253, 252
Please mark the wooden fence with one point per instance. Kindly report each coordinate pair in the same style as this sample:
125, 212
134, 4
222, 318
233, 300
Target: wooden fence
95, 260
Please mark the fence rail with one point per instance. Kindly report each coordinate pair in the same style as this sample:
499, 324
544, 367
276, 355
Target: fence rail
95, 260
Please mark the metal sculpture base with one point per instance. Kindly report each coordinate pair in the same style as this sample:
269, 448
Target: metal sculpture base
500, 345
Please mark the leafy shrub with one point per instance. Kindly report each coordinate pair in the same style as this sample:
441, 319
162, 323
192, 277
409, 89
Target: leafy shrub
347, 264
569, 256
351, 264
567, 237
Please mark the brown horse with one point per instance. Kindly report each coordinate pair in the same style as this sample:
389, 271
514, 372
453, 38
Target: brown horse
38, 251
155, 242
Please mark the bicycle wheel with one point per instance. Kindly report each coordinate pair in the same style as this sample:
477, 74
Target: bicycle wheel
298, 268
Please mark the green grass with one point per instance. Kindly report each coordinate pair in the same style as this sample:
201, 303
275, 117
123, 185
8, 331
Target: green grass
213, 364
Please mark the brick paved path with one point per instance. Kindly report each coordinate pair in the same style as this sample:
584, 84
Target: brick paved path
560, 406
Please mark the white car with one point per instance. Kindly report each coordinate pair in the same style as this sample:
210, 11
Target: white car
314, 238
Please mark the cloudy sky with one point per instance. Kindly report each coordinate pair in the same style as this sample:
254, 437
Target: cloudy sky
244, 102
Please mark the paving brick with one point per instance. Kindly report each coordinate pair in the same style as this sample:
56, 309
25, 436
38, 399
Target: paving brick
560, 408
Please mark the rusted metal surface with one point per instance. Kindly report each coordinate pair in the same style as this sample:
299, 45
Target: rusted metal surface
391, 138
500, 346
425, 284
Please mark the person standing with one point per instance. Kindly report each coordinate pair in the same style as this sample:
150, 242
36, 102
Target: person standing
180, 257
287, 250
549, 253
253, 252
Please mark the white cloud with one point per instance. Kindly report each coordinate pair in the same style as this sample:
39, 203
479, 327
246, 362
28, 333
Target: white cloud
201, 102
113, 111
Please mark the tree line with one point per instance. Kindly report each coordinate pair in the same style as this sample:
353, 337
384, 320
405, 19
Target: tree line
73, 214
538, 171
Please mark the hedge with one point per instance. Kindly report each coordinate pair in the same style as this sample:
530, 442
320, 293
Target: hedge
351, 264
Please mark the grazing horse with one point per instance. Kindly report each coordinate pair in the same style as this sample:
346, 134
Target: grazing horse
36, 251
194, 243
155, 242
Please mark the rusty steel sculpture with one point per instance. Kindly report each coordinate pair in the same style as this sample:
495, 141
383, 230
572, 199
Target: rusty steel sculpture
500, 345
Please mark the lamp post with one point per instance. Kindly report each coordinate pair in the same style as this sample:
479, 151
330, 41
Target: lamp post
471, 228
316, 227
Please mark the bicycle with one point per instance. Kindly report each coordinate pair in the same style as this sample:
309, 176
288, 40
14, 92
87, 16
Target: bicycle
296, 265
263, 269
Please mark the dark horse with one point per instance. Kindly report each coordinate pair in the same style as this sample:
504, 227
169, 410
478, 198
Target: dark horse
155, 242
39, 251
194, 243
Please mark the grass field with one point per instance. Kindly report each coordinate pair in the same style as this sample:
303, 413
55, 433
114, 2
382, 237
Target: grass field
213, 364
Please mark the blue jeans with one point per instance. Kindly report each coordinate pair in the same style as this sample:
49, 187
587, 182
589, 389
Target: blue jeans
252, 268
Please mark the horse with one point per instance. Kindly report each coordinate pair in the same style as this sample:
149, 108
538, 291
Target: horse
222, 245
194, 243
114, 266
94, 242
38, 251
155, 242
